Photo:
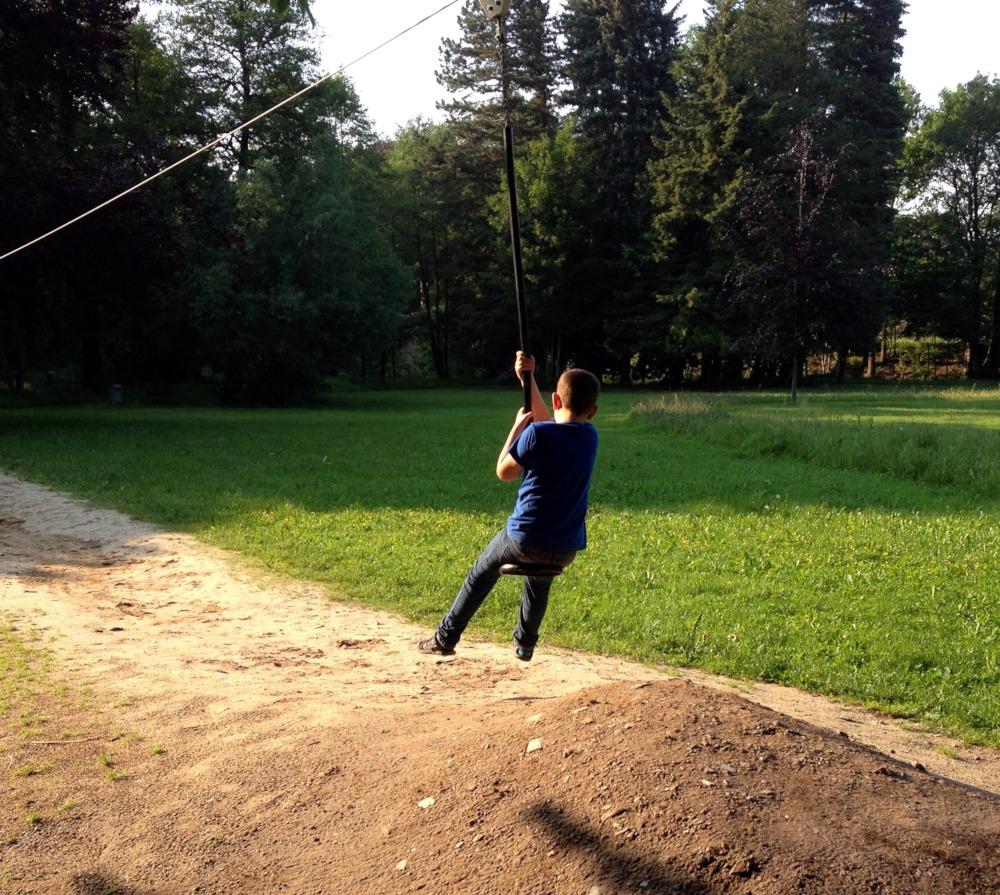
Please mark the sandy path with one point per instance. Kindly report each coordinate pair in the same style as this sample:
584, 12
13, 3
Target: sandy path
189, 634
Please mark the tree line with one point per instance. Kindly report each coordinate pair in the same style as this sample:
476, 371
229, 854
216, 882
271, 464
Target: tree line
709, 206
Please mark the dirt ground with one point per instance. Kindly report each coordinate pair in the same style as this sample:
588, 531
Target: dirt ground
242, 734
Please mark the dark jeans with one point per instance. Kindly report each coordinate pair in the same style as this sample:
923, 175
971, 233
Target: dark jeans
485, 574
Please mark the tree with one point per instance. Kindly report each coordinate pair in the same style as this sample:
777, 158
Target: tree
282, 6
423, 194
952, 169
617, 63
291, 272
695, 177
928, 270
857, 45
483, 96
476, 114
58, 64
786, 275
740, 93
617, 60
325, 289
558, 200
244, 59
767, 86
145, 331
60, 67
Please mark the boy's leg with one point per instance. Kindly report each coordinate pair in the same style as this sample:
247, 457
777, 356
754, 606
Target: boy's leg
535, 594
478, 583
534, 602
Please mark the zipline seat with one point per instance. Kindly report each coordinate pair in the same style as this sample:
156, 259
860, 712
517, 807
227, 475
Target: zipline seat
531, 569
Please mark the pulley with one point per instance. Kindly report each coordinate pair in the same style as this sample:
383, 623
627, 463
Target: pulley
495, 9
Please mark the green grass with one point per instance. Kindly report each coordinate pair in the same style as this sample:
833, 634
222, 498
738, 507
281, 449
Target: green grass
848, 545
937, 436
24, 672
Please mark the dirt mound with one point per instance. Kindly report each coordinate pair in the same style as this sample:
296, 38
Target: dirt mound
249, 736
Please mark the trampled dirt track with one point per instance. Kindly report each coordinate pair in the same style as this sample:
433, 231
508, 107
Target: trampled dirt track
248, 735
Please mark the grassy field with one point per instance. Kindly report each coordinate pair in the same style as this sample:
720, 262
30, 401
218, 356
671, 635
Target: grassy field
847, 545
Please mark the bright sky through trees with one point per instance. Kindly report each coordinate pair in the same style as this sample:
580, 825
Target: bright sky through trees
946, 44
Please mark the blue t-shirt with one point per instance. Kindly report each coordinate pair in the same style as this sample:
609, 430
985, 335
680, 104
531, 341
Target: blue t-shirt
551, 508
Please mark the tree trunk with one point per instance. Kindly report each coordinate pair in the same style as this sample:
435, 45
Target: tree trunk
428, 307
991, 364
793, 395
13, 373
976, 362
91, 360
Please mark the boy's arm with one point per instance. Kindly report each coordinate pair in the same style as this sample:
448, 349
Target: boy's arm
508, 468
525, 363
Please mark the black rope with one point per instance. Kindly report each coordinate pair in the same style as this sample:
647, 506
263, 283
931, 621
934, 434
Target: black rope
515, 224
504, 83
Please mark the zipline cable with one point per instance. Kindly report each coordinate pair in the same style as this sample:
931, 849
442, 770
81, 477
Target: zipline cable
203, 149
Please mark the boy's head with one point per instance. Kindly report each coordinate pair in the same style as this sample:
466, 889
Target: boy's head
578, 391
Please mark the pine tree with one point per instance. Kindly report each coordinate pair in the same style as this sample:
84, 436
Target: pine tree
482, 301
617, 60
694, 177
764, 85
559, 204
471, 72
857, 46
617, 63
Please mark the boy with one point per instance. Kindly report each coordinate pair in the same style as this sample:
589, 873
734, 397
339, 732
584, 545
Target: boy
547, 526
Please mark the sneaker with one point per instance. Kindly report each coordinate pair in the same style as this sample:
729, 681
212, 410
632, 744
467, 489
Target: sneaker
522, 652
435, 647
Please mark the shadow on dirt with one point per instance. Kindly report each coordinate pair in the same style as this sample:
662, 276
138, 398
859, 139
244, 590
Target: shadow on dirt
101, 884
614, 867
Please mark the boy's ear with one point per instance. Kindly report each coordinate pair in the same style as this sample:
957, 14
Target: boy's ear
593, 410
556, 401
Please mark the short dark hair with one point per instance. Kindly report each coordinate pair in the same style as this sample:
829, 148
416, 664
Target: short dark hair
578, 389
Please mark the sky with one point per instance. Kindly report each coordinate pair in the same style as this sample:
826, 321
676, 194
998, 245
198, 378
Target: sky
947, 43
